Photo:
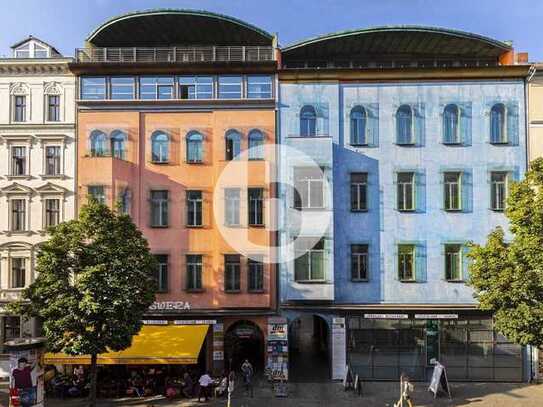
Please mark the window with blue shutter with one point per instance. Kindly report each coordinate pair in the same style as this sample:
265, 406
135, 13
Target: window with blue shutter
420, 262
420, 191
512, 123
467, 190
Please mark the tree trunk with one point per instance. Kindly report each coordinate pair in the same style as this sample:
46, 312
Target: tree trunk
92, 394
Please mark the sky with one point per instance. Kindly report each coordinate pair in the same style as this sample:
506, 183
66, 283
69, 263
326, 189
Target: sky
66, 23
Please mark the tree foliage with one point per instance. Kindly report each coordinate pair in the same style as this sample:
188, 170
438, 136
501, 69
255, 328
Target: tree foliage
94, 282
507, 276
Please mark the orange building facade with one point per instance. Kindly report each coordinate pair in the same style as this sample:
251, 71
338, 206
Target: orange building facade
157, 127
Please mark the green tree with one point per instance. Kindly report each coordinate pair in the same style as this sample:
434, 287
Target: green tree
507, 276
94, 282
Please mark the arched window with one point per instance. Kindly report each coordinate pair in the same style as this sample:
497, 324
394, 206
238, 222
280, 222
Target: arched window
118, 144
98, 143
160, 147
497, 124
233, 144
359, 120
404, 125
308, 121
451, 124
256, 145
195, 147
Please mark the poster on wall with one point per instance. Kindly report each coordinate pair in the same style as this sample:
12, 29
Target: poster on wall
339, 352
277, 349
26, 378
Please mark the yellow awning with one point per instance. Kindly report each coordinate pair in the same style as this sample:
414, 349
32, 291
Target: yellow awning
153, 345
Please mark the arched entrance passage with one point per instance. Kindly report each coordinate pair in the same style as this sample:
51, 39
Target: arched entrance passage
309, 349
244, 340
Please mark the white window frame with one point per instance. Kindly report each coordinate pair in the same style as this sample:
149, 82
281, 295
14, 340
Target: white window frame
413, 253
493, 190
459, 259
401, 190
448, 188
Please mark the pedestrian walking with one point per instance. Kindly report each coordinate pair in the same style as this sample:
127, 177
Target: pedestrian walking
205, 383
247, 372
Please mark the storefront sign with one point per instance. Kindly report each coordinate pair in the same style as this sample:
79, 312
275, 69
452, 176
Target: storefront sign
386, 316
339, 356
277, 332
195, 321
155, 322
436, 316
169, 305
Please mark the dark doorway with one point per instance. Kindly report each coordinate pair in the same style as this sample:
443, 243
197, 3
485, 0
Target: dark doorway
244, 340
309, 350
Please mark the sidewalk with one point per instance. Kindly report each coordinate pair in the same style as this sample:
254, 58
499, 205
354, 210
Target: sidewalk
332, 394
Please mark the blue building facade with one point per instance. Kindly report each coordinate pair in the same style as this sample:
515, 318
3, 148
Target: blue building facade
415, 165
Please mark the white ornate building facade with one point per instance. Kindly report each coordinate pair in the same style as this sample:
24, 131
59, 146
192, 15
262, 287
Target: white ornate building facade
37, 166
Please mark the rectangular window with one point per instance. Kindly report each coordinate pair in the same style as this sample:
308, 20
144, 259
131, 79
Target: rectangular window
195, 87
453, 262
18, 215
256, 206
452, 184
309, 188
359, 191
259, 87
256, 275
124, 200
19, 114
161, 273
52, 212
498, 190
406, 262
93, 88
52, 160
309, 264
160, 87
40, 52
159, 209
18, 272
12, 328
194, 208
194, 272
230, 87
97, 192
406, 191
231, 207
53, 108
359, 262
122, 87
232, 269
18, 161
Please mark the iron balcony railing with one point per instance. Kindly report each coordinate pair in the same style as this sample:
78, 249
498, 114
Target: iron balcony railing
180, 55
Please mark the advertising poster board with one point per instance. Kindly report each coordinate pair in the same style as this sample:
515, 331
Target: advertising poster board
26, 385
339, 348
439, 378
277, 349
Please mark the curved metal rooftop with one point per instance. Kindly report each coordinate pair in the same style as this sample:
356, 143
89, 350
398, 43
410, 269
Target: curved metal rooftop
171, 27
405, 42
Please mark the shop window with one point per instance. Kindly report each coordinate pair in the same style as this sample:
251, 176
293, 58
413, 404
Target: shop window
161, 273
53, 108
406, 262
18, 215
194, 208
194, 272
159, 209
232, 206
122, 87
359, 122
52, 161
452, 184
453, 262
309, 188
359, 191
498, 190
255, 275
232, 270
18, 272
309, 265
195, 147
256, 206
308, 121
52, 212
256, 145
406, 191
233, 145
97, 193
18, 161
93, 88
359, 262
160, 147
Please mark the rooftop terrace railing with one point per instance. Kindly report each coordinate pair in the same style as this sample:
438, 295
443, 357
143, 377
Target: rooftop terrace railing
177, 55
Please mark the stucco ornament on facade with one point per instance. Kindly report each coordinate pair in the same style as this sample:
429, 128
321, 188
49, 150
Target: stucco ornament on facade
52, 88
18, 89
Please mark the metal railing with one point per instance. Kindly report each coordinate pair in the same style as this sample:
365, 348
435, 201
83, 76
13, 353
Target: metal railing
179, 55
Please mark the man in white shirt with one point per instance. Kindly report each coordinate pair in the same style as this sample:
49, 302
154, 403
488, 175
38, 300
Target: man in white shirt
205, 383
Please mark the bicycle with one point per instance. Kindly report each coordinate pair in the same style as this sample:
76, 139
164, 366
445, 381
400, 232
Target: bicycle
405, 388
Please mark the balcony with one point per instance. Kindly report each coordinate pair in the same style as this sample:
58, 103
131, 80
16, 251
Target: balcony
175, 55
